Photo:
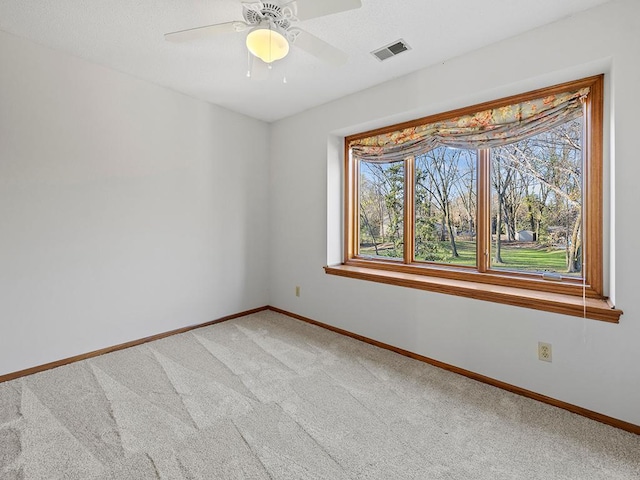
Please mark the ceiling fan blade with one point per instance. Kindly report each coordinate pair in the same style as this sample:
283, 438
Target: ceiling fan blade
306, 9
205, 32
320, 49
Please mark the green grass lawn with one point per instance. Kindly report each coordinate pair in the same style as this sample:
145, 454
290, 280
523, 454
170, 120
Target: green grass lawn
536, 258
517, 256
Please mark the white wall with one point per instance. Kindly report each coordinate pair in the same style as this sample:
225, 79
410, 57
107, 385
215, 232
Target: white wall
595, 364
126, 209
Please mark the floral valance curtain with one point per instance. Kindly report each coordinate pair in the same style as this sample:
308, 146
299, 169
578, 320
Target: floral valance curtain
485, 129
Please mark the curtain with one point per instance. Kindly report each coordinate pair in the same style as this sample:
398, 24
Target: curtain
485, 129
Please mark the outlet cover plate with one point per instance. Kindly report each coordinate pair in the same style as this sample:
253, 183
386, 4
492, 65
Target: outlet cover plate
544, 352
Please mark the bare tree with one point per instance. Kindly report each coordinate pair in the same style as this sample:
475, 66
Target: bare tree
552, 161
503, 174
442, 174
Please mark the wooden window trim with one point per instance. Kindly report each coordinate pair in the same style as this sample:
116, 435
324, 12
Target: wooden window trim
570, 296
594, 308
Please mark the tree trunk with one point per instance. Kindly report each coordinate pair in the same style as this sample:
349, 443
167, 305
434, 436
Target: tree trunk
574, 253
452, 240
508, 223
498, 255
511, 224
370, 228
532, 218
454, 249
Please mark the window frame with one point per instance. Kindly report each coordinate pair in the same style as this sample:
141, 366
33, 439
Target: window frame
579, 297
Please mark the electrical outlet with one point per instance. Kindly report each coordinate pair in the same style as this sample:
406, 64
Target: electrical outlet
544, 352
297, 291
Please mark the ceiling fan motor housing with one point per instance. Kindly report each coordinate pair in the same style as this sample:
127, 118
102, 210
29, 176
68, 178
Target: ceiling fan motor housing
269, 11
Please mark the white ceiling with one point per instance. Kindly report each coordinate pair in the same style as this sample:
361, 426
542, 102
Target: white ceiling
127, 36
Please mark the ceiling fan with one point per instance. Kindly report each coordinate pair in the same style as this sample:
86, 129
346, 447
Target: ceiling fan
273, 27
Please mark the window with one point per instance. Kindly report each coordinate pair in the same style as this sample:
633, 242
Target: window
500, 201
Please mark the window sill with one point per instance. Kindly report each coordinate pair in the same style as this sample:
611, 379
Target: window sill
594, 308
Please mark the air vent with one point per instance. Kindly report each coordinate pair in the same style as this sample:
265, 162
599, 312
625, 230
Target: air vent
391, 50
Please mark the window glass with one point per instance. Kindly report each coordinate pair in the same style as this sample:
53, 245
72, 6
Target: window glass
381, 209
445, 206
536, 203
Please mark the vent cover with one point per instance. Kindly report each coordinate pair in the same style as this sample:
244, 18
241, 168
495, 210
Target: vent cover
391, 50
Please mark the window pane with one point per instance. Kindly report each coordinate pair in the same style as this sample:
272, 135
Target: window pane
536, 203
381, 200
445, 206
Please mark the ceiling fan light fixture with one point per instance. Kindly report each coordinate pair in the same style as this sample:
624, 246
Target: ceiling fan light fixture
267, 44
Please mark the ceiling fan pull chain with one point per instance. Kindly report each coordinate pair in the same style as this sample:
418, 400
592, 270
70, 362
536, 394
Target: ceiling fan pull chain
249, 63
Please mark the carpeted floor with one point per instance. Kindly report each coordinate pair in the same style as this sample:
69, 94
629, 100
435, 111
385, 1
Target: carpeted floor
269, 397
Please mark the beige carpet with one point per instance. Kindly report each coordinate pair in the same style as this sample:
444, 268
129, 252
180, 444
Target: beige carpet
269, 397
